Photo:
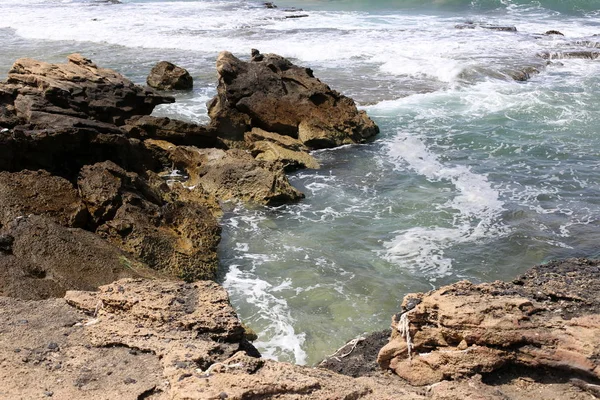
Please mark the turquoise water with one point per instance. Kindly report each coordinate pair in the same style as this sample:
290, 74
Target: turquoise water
474, 175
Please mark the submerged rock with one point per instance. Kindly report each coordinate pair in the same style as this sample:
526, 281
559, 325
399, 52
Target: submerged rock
168, 76
273, 94
549, 317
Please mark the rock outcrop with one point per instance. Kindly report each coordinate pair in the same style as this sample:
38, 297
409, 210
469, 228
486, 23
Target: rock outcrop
177, 237
168, 76
548, 318
41, 259
271, 93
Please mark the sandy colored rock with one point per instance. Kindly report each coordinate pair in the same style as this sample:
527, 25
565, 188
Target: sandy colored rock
45, 260
230, 174
271, 93
289, 152
177, 237
37, 192
548, 318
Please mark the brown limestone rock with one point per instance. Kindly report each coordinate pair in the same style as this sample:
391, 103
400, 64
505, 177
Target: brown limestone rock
176, 237
38, 192
287, 151
271, 93
548, 318
230, 175
78, 88
45, 260
45, 354
168, 76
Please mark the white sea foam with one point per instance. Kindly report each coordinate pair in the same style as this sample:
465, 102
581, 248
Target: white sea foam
277, 339
476, 209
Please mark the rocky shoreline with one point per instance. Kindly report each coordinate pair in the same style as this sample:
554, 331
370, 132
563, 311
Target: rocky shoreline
108, 238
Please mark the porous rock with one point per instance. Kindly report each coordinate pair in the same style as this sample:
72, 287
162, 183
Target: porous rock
548, 318
176, 237
271, 93
168, 76
37, 192
45, 260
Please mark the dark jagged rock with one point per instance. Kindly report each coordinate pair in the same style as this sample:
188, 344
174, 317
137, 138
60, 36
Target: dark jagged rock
273, 94
46, 259
173, 131
79, 89
177, 237
553, 32
577, 54
168, 76
549, 317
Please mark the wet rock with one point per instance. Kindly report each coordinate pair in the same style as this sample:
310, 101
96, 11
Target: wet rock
571, 54
39, 193
269, 5
359, 356
546, 318
168, 76
553, 32
273, 94
523, 74
176, 237
47, 259
473, 25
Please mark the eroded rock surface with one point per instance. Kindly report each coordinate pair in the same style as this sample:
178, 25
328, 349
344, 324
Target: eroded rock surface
176, 237
549, 317
38, 192
271, 93
41, 259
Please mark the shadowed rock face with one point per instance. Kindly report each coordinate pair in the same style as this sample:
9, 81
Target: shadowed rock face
271, 93
177, 237
44, 259
549, 317
168, 76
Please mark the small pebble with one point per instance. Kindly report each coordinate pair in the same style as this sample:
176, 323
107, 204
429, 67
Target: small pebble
129, 381
53, 346
48, 393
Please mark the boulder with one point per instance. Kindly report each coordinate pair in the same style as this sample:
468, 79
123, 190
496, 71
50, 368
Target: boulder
548, 318
43, 260
168, 76
177, 237
39, 193
271, 93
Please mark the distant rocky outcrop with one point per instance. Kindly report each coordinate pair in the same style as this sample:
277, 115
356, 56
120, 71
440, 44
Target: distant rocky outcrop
168, 76
271, 93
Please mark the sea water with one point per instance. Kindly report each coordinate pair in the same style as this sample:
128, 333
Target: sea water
473, 176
